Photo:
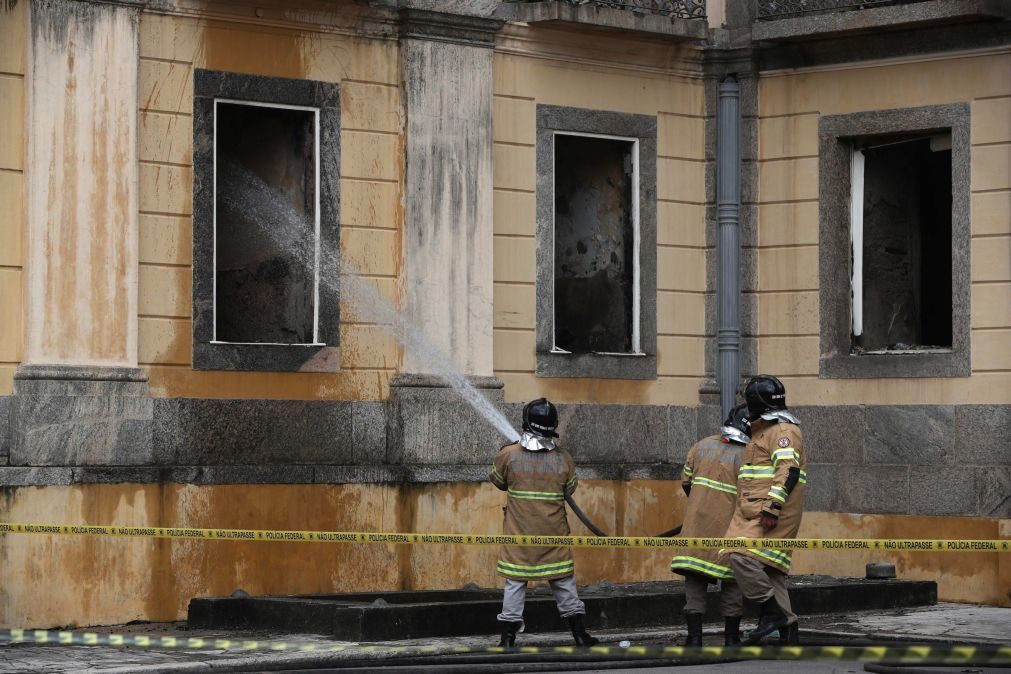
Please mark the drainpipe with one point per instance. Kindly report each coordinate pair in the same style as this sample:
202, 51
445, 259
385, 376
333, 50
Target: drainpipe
728, 208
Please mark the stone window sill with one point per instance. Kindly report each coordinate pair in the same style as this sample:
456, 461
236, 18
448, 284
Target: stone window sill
596, 365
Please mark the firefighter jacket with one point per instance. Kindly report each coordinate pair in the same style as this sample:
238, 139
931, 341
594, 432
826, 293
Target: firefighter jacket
771, 479
711, 470
536, 484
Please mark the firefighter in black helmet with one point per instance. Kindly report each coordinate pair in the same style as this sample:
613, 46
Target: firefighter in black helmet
537, 475
770, 502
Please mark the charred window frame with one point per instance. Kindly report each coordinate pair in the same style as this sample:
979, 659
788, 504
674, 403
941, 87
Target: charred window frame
844, 143
301, 113
619, 132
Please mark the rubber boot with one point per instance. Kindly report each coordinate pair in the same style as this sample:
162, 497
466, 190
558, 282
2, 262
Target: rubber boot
508, 634
732, 631
770, 619
694, 621
579, 633
789, 635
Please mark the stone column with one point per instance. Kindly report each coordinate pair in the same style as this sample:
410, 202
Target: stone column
446, 70
79, 394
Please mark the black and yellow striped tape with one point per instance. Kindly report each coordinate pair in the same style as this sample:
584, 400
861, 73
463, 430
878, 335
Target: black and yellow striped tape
916, 654
882, 544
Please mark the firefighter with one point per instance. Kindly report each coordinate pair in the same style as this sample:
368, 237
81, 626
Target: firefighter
770, 503
710, 483
537, 475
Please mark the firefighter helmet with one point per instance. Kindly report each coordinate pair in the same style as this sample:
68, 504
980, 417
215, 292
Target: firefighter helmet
764, 393
737, 427
540, 418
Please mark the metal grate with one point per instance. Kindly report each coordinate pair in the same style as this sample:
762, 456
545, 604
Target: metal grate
685, 9
774, 9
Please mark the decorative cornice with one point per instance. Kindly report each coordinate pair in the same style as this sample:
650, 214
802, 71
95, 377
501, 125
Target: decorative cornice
454, 28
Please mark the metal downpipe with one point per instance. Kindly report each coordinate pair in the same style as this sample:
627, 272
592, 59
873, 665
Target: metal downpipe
728, 209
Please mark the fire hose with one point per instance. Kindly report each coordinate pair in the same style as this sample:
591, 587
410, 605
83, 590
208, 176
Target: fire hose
578, 512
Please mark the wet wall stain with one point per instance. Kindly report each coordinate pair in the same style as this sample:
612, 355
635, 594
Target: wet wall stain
85, 581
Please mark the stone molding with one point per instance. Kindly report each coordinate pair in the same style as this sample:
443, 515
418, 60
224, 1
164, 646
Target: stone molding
207, 354
552, 118
904, 16
837, 361
473, 31
611, 18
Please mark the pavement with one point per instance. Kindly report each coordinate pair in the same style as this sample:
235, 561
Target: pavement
941, 624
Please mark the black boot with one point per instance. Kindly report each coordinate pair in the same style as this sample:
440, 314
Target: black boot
508, 633
579, 633
694, 621
732, 631
789, 635
770, 619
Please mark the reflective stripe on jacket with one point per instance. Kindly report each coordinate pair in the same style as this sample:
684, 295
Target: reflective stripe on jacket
711, 470
775, 448
536, 484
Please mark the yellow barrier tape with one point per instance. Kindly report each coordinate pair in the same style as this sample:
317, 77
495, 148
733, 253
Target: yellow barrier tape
883, 544
916, 654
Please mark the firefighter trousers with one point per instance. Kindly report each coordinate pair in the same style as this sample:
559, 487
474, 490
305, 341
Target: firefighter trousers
696, 586
760, 582
564, 590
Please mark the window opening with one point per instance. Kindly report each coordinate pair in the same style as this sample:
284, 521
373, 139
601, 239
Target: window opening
900, 233
596, 244
266, 223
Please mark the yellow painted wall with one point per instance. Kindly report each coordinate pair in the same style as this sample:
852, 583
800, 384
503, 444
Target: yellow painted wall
13, 31
550, 66
82, 580
788, 221
68, 580
371, 189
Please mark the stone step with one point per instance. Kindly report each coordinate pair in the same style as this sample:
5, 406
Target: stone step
385, 616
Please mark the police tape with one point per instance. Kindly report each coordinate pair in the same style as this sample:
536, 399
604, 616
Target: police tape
904, 654
882, 544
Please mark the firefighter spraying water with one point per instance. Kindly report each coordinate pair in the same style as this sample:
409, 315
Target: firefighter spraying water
537, 476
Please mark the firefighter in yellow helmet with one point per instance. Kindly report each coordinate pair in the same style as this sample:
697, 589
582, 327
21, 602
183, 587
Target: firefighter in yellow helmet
537, 475
710, 483
770, 503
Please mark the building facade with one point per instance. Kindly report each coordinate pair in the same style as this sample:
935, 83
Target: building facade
247, 251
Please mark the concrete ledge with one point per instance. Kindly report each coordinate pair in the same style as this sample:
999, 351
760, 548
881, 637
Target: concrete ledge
411, 615
31, 476
557, 11
895, 17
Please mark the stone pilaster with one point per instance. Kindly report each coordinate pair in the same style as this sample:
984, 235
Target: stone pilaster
446, 68
79, 397
81, 240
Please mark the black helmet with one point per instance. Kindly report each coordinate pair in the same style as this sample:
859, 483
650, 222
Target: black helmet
737, 426
764, 393
541, 418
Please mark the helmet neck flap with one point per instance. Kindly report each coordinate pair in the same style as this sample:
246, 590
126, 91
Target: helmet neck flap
781, 416
536, 443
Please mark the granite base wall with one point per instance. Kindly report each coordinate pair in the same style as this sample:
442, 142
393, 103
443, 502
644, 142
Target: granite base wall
873, 459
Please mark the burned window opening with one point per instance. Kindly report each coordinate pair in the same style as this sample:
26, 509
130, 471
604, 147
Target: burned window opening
595, 267
901, 233
266, 224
